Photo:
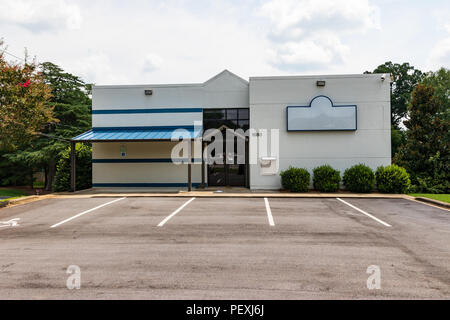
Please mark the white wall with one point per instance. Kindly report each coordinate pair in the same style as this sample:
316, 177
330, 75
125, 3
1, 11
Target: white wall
225, 90
150, 172
267, 98
146, 119
369, 144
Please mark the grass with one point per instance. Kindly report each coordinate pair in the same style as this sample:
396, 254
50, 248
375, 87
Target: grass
38, 185
11, 194
440, 197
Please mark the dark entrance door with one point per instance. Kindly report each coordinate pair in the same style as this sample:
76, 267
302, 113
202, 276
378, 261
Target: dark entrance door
228, 174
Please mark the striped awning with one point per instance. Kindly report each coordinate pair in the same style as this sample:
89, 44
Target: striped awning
139, 133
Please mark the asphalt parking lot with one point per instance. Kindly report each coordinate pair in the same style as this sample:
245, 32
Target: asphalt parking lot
224, 248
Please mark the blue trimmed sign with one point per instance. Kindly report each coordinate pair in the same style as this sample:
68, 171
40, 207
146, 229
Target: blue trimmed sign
321, 115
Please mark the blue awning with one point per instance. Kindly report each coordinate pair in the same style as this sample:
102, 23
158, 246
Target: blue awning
139, 133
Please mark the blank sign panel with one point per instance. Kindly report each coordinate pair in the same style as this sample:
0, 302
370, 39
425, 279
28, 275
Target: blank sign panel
321, 115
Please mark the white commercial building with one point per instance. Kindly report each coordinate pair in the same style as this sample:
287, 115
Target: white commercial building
301, 121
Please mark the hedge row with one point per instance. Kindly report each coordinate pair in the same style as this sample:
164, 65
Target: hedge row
359, 178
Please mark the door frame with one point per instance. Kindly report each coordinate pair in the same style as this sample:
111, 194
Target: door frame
226, 167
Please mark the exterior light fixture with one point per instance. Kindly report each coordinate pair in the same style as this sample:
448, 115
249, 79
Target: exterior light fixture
148, 92
320, 83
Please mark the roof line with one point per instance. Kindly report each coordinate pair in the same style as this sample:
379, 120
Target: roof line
329, 76
125, 86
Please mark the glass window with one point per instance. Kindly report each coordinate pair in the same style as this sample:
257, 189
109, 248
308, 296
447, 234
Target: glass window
233, 118
243, 114
232, 114
243, 124
212, 124
232, 124
214, 113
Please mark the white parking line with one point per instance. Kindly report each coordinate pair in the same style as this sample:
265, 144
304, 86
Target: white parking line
269, 212
84, 212
367, 214
175, 212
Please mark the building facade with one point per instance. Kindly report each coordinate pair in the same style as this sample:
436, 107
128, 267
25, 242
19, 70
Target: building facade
301, 121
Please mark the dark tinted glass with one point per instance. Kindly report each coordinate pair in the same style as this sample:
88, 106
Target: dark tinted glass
212, 124
232, 124
232, 118
243, 114
232, 114
243, 124
214, 113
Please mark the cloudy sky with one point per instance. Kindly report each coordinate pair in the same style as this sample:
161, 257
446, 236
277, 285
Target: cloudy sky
175, 41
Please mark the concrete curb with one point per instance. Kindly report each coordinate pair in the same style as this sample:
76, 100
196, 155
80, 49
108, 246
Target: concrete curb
233, 195
23, 200
435, 202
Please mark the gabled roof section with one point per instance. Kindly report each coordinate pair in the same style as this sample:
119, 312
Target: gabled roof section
226, 78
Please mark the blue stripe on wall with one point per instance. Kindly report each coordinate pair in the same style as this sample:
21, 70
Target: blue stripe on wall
165, 160
161, 110
146, 185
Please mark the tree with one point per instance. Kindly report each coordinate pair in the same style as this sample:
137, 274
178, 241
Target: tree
66, 88
398, 138
84, 168
440, 81
426, 152
404, 79
24, 103
72, 110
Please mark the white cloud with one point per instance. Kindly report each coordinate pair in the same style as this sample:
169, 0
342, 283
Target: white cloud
42, 15
308, 33
314, 51
96, 68
173, 41
440, 54
152, 62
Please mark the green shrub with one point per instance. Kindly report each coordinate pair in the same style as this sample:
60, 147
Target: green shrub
83, 169
295, 179
326, 179
392, 179
359, 178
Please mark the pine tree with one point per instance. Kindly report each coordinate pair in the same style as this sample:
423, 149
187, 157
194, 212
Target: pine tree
426, 152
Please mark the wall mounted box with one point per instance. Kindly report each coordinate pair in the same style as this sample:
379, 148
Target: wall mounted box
268, 166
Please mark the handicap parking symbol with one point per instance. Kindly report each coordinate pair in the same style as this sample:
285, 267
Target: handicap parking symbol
11, 223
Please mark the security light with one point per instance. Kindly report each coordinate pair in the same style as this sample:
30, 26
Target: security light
320, 83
